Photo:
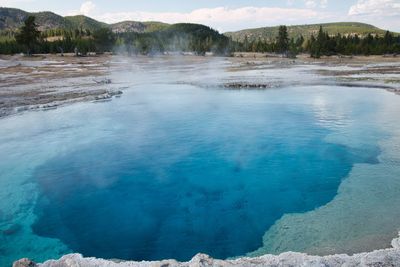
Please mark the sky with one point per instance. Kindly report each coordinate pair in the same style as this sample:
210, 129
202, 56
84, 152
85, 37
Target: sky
225, 15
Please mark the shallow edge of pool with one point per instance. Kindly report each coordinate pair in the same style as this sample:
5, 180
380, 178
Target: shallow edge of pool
384, 257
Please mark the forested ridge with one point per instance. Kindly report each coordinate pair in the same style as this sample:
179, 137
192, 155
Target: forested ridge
81, 35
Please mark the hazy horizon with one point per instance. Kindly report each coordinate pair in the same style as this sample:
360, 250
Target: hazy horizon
224, 15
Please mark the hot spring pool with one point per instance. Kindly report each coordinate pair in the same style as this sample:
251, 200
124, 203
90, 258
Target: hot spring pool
168, 171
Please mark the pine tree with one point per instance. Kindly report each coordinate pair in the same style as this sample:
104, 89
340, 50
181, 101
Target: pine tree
312, 46
282, 40
104, 40
28, 35
320, 44
246, 44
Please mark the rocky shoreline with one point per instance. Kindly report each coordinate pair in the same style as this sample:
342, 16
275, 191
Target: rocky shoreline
47, 82
384, 257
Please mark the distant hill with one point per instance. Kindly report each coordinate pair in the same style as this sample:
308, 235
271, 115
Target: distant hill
86, 23
344, 28
139, 27
152, 26
181, 37
11, 19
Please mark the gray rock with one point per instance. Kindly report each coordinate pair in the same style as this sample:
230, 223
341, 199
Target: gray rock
384, 257
24, 263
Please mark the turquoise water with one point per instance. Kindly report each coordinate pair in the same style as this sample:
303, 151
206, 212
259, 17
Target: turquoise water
168, 171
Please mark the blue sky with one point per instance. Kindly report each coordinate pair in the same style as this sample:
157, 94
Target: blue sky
226, 15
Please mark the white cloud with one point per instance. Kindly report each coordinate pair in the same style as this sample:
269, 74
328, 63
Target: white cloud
376, 7
87, 8
323, 3
310, 4
381, 13
316, 3
223, 18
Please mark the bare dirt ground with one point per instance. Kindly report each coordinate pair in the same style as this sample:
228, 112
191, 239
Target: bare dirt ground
48, 81
369, 71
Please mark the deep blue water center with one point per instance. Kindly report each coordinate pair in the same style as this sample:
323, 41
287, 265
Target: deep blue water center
185, 171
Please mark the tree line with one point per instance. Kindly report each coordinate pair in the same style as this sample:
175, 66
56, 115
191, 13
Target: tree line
186, 37
30, 40
324, 44
183, 37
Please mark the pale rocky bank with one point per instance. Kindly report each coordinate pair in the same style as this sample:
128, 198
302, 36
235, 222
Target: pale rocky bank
383, 257
46, 82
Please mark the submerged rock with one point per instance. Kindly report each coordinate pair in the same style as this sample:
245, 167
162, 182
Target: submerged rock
107, 96
24, 263
240, 85
384, 257
103, 81
12, 229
